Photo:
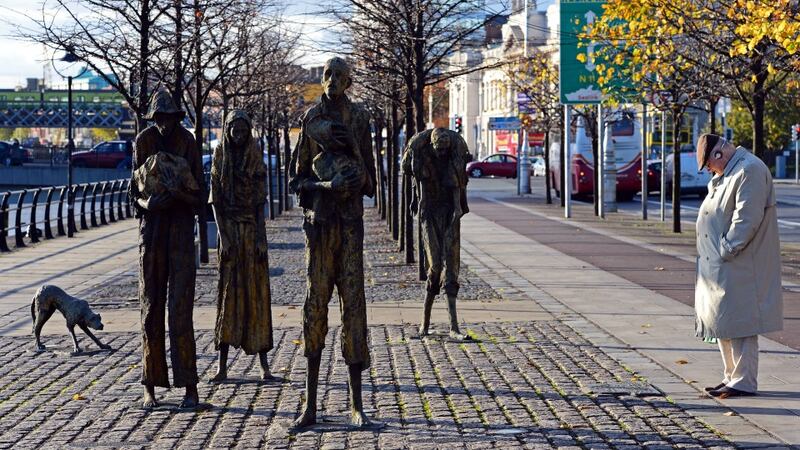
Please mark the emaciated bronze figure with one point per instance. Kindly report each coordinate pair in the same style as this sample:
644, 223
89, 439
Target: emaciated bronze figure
238, 194
437, 160
166, 247
333, 170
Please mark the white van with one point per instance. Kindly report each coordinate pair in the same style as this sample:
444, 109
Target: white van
692, 182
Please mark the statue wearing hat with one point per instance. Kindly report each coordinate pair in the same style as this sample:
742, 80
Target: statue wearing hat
332, 169
166, 192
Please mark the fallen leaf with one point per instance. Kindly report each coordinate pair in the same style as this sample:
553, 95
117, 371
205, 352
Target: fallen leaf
681, 361
660, 269
643, 332
282, 315
78, 397
296, 341
730, 414
292, 307
647, 325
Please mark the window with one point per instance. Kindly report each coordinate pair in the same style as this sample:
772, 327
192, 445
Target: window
510, 159
494, 159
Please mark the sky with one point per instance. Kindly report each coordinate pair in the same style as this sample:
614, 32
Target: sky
20, 60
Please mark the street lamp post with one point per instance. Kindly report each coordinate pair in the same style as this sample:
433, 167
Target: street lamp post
69, 57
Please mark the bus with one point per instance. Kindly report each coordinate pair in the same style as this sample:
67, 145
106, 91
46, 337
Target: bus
623, 137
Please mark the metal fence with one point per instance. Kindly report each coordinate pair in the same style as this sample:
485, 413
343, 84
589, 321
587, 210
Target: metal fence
95, 204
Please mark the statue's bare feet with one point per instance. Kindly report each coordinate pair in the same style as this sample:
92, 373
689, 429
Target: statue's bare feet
39, 348
307, 418
359, 419
221, 375
76, 352
190, 399
266, 375
423, 331
458, 336
149, 400
105, 346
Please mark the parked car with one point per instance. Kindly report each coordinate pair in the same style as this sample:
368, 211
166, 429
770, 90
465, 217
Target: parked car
537, 166
654, 175
11, 155
111, 154
497, 165
207, 162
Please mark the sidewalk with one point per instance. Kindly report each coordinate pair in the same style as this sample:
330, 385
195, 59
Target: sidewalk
550, 366
644, 329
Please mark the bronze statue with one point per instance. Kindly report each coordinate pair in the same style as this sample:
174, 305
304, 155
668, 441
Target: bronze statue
166, 211
437, 160
238, 194
49, 299
333, 169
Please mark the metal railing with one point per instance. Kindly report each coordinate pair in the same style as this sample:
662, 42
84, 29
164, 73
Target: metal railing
107, 202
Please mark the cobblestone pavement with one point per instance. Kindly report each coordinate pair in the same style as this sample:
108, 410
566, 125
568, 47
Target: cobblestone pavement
386, 277
534, 384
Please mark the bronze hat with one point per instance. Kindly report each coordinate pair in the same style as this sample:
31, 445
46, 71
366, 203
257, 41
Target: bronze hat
162, 103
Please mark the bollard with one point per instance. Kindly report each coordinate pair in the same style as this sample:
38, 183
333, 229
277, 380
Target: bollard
48, 233
85, 188
71, 213
93, 211
33, 234
18, 220
128, 212
111, 216
4, 222
103, 187
120, 211
60, 222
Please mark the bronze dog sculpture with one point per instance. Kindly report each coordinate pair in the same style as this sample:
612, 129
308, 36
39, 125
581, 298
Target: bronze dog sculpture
48, 299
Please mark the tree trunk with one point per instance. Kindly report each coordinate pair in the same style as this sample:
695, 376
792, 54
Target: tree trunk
408, 220
394, 175
264, 139
287, 158
177, 92
547, 187
198, 121
275, 144
380, 189
712, 115
143, 96
759, 102
677, 116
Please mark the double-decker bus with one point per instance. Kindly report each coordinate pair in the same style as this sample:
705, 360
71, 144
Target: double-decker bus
623, 136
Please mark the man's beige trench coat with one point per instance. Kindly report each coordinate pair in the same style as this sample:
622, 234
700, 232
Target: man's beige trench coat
738, 285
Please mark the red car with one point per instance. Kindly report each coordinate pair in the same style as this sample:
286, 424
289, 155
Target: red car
111, 154
498, 165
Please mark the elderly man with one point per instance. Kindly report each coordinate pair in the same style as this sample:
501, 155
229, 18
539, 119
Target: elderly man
333, 169
738, 286
437, 160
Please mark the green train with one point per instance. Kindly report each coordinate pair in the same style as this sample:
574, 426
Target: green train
32, 98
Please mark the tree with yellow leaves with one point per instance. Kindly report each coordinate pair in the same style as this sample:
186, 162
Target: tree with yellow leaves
639, 59
750, 46
536, 76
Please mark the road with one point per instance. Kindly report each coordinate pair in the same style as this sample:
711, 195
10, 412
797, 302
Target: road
788, 210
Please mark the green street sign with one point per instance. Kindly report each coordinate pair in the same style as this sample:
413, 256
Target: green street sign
578, 80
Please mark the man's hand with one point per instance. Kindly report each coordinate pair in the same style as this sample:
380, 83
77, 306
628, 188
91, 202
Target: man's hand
157, 202
224, 249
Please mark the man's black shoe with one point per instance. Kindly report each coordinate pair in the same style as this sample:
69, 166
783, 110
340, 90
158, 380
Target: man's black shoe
714, 388
729, 392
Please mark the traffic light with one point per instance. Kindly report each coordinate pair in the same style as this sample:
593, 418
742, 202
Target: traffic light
459, 125
795, 131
